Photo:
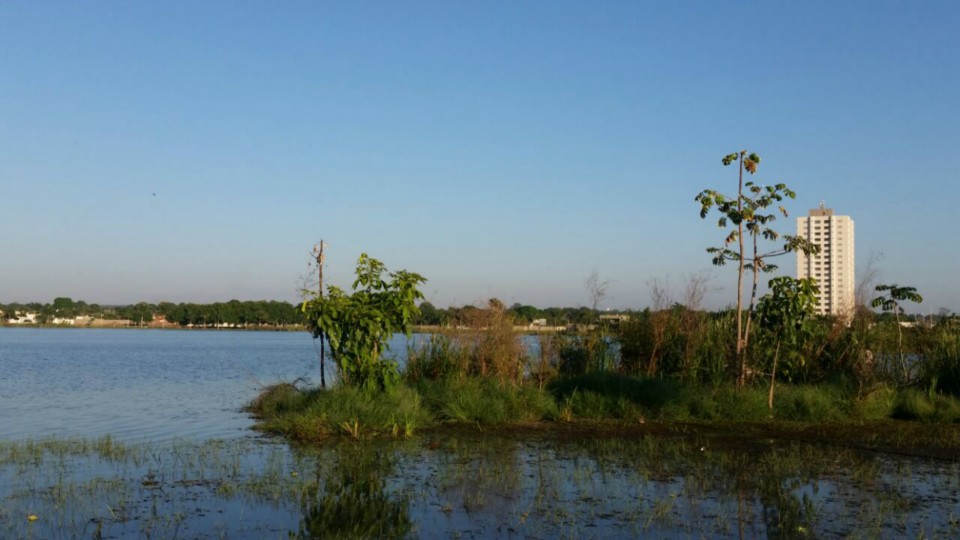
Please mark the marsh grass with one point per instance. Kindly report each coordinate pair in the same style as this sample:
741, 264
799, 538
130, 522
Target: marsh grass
102, 488
486, 402
479, 374
691, 482
914, 404
317, 414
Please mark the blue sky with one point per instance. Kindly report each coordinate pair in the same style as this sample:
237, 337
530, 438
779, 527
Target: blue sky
500, 149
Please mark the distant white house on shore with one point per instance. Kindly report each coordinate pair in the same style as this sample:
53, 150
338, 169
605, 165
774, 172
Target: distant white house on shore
31, 317
20, 317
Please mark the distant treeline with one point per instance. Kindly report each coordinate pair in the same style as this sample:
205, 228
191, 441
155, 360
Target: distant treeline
276, 313
273, 313
520, 314
232, 313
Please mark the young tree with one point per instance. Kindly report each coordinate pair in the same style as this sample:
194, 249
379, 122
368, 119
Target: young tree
746, 212
784, 312
359, 325
891, 302
320, 259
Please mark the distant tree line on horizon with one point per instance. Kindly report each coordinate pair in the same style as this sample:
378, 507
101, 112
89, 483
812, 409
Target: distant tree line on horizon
232, 313
278, 313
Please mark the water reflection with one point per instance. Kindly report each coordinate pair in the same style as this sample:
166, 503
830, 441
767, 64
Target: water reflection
477, 485
350, 500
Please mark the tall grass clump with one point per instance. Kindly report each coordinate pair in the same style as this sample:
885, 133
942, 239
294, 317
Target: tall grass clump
916, 404
940, 371
727, 403
493, 346
486, 402
357, 412
602, 395
585, 352
823, 403
878, 404
440, 356
680, 343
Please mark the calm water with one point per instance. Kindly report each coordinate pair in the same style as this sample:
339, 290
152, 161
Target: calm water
141, 384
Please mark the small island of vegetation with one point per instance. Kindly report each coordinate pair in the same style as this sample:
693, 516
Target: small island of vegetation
771, 369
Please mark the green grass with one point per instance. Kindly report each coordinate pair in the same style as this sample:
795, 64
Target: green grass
314, 415
486, 402
913, 404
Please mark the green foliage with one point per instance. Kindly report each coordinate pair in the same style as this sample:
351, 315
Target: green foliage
878, 404
607, 395
486, 402
233, 313
358, 325
891, 302
896, 295
941, 370
785, 314
727, 403
748, 214
314, 415
822, 403
915, 404
438, 357
678, 342
585, 352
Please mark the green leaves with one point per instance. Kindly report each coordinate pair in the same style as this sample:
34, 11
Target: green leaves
897, 294
787, 307
359, 325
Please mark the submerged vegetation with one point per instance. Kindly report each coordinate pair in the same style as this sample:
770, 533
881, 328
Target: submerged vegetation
685, 482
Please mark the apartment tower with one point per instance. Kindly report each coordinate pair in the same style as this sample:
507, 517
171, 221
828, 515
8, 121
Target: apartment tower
833, 266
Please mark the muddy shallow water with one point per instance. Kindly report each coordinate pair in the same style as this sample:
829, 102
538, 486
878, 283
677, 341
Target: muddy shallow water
473, 485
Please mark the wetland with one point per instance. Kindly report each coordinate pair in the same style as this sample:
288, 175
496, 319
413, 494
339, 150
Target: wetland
142, 435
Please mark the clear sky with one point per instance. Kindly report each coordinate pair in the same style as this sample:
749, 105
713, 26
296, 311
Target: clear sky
501, 149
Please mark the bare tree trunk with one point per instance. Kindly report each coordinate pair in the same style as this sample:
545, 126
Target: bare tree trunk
773, 376
321, 258
903, 361
741, 368
753, 295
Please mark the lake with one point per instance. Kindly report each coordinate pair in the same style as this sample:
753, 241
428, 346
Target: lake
141, 384
139, 434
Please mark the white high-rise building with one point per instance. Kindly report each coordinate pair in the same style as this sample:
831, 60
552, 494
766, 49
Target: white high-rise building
833, 266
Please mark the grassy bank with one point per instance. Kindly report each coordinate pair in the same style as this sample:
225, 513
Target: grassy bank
485, 376
886, 418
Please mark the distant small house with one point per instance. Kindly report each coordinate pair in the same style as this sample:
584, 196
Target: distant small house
23, 318
538, 323
64, 321
615, 317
